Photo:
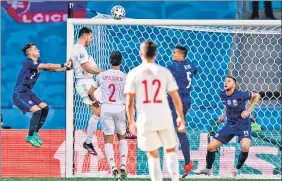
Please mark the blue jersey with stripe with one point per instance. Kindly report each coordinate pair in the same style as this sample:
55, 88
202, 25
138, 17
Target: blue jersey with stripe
235, 104
28, 75
183, 73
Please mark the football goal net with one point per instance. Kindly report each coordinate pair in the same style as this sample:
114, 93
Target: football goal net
249, 50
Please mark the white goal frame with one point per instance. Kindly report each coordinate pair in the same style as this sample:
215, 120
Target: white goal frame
144, 22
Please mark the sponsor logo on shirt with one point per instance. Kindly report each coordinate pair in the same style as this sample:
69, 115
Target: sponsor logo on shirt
235, 102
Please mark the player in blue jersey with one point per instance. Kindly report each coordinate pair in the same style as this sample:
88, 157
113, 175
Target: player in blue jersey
23, 96
238, 124
183, 71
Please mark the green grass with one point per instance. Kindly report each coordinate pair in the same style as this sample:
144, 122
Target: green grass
109, 179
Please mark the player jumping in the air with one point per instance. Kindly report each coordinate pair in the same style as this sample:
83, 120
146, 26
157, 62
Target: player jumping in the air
238, 124
84, 68
25, 99
183, 71
149, 83
111, 83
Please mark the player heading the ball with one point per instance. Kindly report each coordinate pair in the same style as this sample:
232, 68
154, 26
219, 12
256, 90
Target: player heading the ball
25, 99
238, 124
84, 67
149, 84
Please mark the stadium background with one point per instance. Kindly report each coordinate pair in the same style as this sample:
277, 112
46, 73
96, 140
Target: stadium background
21, 23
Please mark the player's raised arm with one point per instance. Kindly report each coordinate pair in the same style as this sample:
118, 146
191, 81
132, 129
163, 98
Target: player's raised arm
254, 99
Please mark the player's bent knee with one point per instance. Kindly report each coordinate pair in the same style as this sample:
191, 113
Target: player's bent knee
246, 144
121, 137
42, 105
170, 150
153, 154
212, 148
34, 109
245, 149
108, 138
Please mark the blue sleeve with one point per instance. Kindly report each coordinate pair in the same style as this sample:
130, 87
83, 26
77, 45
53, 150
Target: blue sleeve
246, 95
170, 67
30, 65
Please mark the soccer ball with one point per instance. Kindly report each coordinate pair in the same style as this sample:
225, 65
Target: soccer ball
118, 12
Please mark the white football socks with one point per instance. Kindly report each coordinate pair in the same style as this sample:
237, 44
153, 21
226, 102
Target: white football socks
172, 165
109, 151
92, 127
123, 151
155, 169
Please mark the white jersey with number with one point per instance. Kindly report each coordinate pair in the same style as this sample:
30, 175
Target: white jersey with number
80, 56
150, 83
111, 82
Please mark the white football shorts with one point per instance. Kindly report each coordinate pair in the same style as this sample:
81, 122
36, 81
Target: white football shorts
82, 87
152, 140
113, 119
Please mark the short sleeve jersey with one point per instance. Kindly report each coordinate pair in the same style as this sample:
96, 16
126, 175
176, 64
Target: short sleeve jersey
150, 83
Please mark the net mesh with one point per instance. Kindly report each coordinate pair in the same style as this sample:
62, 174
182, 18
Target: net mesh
251, 54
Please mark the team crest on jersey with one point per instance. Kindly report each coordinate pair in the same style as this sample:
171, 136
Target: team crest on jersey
246, 133
235, 102
229, 102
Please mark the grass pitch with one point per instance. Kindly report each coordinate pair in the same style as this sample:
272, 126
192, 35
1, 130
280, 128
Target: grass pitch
131, 179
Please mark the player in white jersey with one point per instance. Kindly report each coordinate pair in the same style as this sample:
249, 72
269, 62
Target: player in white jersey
111, 82
84, 67
149, 83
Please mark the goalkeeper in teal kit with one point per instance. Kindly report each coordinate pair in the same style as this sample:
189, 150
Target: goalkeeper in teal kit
183, 71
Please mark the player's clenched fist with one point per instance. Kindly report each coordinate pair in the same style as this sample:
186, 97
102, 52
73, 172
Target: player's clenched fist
181, 125
245, 114
221, 118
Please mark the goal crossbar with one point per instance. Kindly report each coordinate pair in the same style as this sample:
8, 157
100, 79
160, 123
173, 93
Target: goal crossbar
167, 22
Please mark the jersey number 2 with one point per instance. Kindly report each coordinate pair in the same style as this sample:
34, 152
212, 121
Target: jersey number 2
155, 100
113, 88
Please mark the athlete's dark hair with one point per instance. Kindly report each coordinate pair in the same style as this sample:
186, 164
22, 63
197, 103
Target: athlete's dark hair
115, 58
27, 46
182, 48
150, 49
231, 77
83, 31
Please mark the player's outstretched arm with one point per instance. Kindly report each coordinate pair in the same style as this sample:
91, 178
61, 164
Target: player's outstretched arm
179, 109
53, 67
255, 97
92, 70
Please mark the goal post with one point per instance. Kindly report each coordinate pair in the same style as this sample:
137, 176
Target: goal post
252, 47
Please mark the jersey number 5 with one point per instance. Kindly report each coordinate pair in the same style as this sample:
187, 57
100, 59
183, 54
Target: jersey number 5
154, 82
189, 79
113, 88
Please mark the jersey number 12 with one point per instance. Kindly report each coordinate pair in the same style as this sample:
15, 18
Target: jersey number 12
156, 82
